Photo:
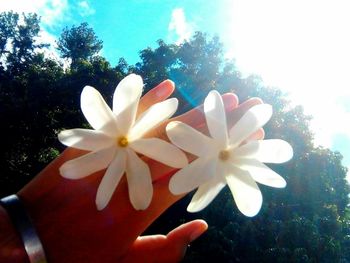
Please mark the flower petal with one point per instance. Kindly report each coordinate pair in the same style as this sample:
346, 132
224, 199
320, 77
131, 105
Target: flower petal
216, 118
251, 121
266, 151
87, 164
191, 140
152, 117
139, 181
110, 180
262, 174
245, 191
207, 192
160, 151
89, 140
193, 175
126, 100
97, 112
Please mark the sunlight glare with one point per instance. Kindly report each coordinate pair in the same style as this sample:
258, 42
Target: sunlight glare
301, 47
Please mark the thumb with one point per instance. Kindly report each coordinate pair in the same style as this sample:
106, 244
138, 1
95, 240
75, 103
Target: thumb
170, 248
179, 238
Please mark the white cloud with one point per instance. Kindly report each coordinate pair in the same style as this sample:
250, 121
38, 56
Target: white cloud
51, 52
85, 9
179, 27
51, 11
21, 5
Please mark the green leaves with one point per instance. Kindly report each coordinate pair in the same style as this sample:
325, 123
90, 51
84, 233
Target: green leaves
309, 221
78, 43
18, 40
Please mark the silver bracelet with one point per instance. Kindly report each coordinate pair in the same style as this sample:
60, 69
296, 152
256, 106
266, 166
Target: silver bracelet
23, 224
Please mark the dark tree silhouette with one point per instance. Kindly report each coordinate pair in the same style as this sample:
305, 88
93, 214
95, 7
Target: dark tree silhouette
308, 221
78, 43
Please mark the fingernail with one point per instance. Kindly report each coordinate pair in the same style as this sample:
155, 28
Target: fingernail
164, 89
230, 101
198, 232
161, 92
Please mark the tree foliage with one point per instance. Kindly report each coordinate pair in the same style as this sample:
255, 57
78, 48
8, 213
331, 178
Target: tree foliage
18, 40
306, 222
78, 43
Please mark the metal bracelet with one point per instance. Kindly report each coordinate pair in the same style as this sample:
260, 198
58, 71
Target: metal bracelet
23, 224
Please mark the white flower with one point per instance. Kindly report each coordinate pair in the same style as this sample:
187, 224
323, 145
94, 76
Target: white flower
116, 138
226, 159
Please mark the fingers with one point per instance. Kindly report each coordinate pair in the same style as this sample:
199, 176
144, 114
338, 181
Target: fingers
169, 248
155, 95
234, 116
258, 135
196, 119
181, 236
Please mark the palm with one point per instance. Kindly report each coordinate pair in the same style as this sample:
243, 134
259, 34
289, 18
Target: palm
74, 231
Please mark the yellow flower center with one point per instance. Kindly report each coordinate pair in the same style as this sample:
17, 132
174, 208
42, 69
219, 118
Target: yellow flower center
123, 141
224, 155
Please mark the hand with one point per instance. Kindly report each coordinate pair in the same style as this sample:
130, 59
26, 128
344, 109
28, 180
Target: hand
73, 230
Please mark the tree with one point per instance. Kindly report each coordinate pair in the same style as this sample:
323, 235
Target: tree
309, 221
199, 58
8, 23
78, 43
31, 108
18, 41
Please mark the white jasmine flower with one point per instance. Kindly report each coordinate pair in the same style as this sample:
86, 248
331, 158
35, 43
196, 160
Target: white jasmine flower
116, 139
224, 158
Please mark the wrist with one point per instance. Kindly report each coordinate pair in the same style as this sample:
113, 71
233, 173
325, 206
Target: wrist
11, 246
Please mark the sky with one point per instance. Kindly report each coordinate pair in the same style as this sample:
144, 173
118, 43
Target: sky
299, 46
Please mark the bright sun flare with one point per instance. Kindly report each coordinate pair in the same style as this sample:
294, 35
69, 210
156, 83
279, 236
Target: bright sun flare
302, 48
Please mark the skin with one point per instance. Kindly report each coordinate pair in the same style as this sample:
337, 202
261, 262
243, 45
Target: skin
73, 230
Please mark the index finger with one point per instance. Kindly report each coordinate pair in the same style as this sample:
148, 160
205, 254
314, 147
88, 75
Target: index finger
159, 93
196, 119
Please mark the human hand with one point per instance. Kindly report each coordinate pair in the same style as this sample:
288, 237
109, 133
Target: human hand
72, 230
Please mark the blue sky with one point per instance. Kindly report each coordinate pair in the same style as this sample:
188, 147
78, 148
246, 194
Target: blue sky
299, 46
127, 27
